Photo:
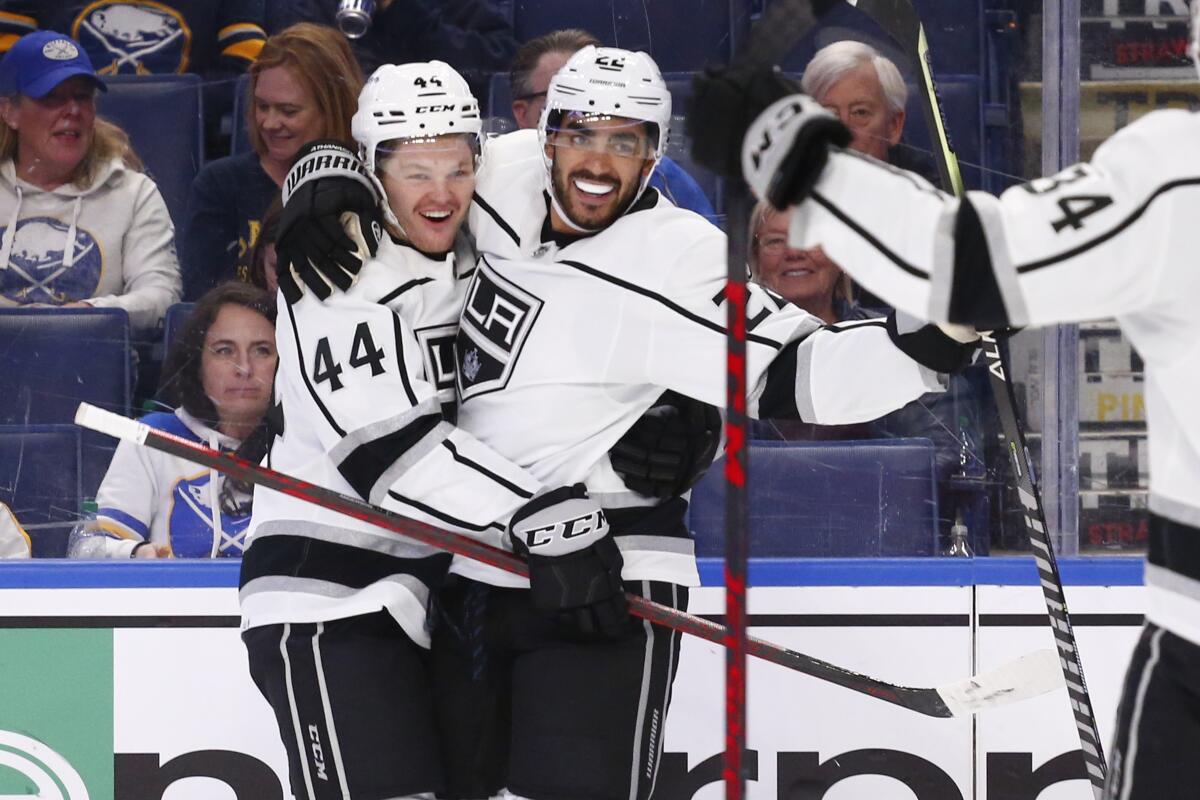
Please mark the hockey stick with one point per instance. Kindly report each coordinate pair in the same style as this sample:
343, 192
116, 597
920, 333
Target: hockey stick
1029, 676
899, 19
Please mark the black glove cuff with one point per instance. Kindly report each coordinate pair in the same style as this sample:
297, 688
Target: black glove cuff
932, 348
802, 166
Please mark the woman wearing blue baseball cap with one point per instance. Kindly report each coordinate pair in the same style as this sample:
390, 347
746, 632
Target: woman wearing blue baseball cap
79, 223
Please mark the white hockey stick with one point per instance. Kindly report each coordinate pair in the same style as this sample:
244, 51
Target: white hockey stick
1029, 676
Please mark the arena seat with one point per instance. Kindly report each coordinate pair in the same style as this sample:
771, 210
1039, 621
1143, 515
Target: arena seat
239, 139
172, 321
819, 499
40, 482
163, 115
678, 39
53, 359
955, 32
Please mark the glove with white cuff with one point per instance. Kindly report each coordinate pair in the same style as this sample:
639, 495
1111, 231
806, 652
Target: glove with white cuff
941, 347
574, 564
787, 147
331, 222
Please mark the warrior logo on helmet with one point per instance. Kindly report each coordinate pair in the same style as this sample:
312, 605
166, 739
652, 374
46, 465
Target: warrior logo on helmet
133, 37
38, 270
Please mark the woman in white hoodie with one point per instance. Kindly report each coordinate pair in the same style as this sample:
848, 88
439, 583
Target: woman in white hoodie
81, 225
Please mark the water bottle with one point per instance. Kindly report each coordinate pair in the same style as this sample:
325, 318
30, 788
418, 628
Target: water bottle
354, 17
959, 545
86, 539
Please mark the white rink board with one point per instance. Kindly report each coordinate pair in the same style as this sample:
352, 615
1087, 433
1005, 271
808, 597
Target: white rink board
182, 692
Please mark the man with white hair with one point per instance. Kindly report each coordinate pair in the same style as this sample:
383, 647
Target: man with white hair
864, 90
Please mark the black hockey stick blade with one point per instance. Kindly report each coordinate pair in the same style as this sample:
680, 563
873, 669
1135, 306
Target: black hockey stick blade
900, 20
1026, 677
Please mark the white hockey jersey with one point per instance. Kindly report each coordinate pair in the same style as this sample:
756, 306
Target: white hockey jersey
148, 495
363, 380
1109, 238
563, 344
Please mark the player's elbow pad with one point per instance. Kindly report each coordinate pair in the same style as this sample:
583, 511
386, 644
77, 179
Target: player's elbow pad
975, 297
932, 347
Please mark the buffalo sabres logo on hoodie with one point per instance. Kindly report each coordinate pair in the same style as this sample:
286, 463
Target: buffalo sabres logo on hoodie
39, 269
133, 37
192, 518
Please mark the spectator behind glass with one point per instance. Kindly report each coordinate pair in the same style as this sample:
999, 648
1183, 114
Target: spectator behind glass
82, 226
865, 91
147, 37
811, 280
303, 86
14, 541
473, 36
535, 64
218, 373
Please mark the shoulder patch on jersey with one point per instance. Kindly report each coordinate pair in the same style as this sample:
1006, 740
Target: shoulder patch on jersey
495, 323
169, 423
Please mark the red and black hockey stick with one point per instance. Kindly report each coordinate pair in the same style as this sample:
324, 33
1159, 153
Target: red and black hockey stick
1029, 676
899, 19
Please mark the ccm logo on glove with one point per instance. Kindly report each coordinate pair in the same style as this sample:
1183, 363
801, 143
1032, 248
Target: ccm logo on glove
565, 530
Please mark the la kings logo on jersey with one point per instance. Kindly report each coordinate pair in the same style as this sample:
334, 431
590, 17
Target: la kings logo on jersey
437, 346
495, 322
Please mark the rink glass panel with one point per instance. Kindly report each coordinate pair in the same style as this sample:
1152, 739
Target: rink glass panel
940, 471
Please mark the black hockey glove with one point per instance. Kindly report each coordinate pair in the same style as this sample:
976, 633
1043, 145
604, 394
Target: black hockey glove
331, 222
942, 348
669, 448
574, 564
723, 104
787, 147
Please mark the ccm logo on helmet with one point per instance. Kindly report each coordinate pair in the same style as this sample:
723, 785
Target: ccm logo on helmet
435, 109
566, 529
615, 63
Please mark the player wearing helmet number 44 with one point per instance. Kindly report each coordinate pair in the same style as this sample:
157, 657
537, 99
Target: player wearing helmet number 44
592, 294
1100, 239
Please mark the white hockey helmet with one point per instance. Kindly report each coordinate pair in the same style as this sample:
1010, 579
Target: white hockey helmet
612, 82
420, 100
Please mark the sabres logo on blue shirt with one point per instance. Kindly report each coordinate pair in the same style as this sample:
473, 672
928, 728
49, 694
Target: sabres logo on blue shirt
192, 523
133, 37
37, 270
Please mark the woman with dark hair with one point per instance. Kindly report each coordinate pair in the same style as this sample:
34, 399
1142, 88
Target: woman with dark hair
303, 86
218, 375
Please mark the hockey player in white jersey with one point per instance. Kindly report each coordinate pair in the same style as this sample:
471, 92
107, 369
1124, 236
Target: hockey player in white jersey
333, 609
593, 294
1107, 238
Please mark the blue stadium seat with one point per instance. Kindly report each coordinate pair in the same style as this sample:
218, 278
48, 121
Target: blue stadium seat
240, 139
40, 482
868, 498
679, 36
955, 32
53, 359
164, 118
172, 320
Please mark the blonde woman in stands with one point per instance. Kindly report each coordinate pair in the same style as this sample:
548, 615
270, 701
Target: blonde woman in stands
303, 86
80, 225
